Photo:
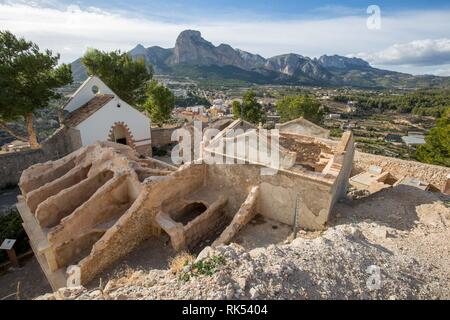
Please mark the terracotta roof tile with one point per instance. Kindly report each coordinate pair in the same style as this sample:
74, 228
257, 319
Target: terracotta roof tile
89, 108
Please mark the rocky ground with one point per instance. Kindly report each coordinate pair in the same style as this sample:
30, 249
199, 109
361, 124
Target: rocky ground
390, 245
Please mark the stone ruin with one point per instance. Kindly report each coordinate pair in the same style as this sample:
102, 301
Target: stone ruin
96, 205
72, 206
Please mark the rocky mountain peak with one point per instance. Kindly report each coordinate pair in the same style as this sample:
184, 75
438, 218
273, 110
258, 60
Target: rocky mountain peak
341, 62
191, 48
188, 38
138, 50
193, 51
192, 34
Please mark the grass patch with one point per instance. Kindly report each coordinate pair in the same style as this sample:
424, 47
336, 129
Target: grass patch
206, 267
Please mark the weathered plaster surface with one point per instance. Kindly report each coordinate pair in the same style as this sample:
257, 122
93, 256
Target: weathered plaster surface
99, 203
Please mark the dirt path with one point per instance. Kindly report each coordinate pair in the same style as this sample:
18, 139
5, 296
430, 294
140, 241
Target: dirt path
32, 281
8, 198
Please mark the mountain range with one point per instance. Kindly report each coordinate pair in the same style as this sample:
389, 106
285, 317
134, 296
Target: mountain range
200, 60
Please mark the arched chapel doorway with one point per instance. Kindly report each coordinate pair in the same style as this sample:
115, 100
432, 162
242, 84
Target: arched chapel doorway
120, 133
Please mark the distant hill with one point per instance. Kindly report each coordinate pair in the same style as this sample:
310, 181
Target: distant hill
78, 70
199, 59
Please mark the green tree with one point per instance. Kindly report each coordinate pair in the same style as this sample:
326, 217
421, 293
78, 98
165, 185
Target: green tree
126, 77
28, 79
249, 109
293, 107
159, 104
236, 109
192, 99
436, 150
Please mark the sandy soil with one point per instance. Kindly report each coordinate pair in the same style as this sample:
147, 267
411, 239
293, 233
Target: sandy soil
262, 232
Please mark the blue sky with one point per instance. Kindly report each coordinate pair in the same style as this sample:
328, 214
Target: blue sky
414, 36
284, 9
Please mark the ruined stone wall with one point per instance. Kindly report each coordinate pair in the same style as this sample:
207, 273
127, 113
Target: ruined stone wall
278, 200
278, 193
207, 224
138, 223
145, 150
436, 175
303, 127
341, 184
129, 231
308, 150
12, 165
61, 143
246, 213
162, 136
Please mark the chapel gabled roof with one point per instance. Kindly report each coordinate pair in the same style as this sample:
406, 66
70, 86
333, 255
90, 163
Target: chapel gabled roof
89, 108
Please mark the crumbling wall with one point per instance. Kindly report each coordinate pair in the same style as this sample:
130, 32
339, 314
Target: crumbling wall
305, 193
145, 150
89, 206
64, 141
436, 175
308, 149
128, 232
278, 193
303, 127
139, 223
162, 136
245, 214
207, 224
346, 150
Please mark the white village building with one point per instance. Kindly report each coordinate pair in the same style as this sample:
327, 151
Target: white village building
98, 114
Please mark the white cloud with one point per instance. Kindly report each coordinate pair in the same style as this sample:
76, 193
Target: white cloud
445, 71
70, 30
79, 29
426, 52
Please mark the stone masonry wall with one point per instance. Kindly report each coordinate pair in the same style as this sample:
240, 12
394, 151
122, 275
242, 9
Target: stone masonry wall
162, 136
61, 143
436, 175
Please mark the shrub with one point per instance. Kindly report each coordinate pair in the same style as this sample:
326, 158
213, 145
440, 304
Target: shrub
11, 228
336, 132
181, 260
207, 266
